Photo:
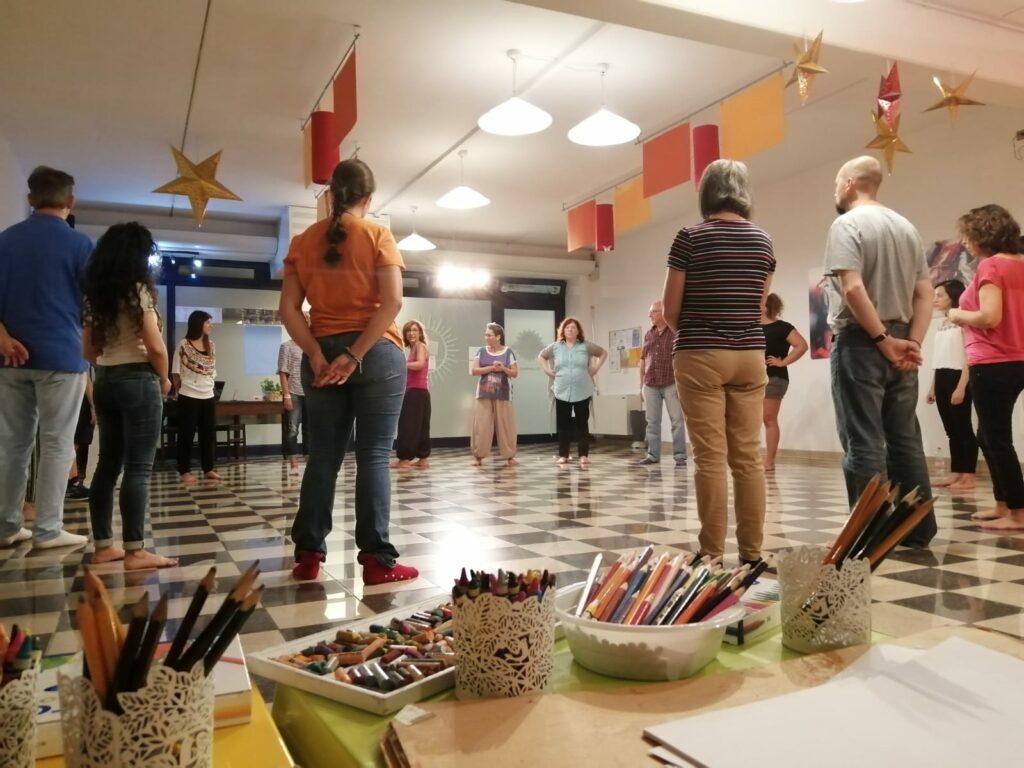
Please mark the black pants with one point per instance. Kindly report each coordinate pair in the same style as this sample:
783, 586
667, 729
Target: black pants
194, 413
413, 441
84, 431
569, 418
956, 419
996, 388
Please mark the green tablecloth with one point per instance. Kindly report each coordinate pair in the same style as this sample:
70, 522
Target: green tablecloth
320, 732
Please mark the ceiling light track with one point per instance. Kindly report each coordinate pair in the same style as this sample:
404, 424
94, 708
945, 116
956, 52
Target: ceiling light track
590, 32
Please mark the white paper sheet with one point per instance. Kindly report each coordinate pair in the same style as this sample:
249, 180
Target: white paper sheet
952, 706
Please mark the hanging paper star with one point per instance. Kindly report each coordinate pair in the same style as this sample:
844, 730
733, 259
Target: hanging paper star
887, 140
806, 67
953, 97
889, 97
197, 182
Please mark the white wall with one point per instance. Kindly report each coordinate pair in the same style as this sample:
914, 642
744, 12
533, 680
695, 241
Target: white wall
952, 168
13, 206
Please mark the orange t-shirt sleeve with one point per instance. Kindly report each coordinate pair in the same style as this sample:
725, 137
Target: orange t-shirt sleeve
292, 259
388, 254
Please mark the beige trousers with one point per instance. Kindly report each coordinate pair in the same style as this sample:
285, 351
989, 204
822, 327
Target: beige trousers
721, 391
491, 414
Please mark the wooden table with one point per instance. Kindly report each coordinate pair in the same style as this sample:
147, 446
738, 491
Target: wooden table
260, 411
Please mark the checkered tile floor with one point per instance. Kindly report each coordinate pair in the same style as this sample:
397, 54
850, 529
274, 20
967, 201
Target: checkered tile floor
536, 515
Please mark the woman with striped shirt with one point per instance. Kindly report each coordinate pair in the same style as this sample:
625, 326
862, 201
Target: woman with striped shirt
719, 274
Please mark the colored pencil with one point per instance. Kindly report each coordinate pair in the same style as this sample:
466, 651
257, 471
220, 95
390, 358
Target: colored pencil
205, 587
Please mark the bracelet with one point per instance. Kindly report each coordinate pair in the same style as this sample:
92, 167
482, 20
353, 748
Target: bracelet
347, 351
287, 397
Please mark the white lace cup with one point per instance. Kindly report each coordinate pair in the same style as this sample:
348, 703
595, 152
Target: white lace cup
166, 724
504, 648
823, 608
19, 707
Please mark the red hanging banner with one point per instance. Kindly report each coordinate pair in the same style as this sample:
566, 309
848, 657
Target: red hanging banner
667, 160
581, 222
705, 149
325, 147
604, 229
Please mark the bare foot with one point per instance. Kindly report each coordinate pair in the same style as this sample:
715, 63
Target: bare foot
293, 466
476, 462
211, 475
1014, 522
189, 479
512, 462
107, 555
422, 464
140, 559
401, 464
563, 460
1000, 511
769, 467
28, 511
947, 481
584, 461
965, 483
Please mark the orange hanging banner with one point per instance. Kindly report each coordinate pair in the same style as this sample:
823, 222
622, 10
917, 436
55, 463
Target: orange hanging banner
667, 160
307, 155
345, 101
754, 119
581, 223
631, 207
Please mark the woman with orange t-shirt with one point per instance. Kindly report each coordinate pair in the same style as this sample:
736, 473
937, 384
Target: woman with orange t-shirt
353, 371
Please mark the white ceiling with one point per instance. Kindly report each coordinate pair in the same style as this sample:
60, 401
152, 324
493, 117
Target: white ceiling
101, 89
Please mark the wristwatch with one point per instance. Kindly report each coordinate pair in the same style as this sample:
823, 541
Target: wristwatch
880, 337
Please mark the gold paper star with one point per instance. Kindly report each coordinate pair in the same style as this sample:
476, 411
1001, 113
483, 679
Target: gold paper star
887, 140
197, 182
953, 97
806, 67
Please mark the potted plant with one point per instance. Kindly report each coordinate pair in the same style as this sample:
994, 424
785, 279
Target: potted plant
271, 390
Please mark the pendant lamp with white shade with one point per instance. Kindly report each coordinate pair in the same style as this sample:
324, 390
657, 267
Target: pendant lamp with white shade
462, 197
604, 128
514, 116
415, 241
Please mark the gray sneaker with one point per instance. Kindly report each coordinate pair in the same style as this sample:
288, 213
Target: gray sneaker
646, 461
681, 462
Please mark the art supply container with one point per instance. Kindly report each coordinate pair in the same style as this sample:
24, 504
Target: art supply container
19, 707
823, 608
641, 652
168, 723
504, 648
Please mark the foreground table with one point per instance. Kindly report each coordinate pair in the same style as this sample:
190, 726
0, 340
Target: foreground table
321, 732
256, 744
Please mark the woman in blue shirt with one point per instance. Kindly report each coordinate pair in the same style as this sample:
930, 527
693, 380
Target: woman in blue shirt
569, 363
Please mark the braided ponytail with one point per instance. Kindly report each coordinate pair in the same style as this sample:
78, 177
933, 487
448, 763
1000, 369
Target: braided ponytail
351, 181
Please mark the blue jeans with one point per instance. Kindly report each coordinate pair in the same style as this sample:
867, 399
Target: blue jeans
876, 414
296, 418
371, 400
48, 401
129, 410
653, 399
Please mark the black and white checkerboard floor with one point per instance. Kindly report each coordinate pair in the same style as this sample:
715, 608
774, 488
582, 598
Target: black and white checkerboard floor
536, 515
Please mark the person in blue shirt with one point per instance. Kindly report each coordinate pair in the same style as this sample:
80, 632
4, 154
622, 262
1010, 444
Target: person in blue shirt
42, 371
570, 364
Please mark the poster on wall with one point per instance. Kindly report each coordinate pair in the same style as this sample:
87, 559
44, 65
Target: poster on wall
624, 348
820, 337
949, 260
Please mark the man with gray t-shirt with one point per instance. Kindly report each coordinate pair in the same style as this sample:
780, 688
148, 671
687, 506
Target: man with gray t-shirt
880, 305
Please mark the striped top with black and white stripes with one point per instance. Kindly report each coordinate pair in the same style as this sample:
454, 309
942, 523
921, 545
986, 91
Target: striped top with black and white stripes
726, 262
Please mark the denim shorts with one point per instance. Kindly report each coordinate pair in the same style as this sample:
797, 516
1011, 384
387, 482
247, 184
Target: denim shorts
776, 389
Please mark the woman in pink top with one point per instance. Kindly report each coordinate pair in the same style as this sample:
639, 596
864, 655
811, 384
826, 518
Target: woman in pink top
413, 441
992, 315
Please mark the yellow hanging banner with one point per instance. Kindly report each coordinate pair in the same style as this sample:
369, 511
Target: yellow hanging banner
753, 120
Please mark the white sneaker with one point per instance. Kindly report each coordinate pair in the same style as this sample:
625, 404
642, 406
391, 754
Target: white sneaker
64, 539
23, 535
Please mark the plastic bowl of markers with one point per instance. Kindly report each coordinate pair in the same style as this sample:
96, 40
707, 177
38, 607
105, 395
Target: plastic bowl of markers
641, 652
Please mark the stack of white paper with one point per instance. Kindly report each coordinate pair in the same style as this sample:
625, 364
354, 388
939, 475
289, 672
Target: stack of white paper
954, 705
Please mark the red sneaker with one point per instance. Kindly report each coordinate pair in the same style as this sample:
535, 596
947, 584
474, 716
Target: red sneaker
308, 567
365, 558
376, 573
